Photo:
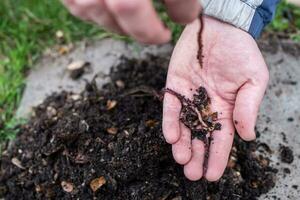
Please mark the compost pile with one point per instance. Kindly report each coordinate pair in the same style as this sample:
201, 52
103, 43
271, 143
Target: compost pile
107, 144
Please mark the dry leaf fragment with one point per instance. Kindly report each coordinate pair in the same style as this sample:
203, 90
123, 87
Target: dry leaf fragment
97, 183
112, 130
17, 163
263, 161
64, 49
231, 162
77, 68
38, 188
75, 97
254, 184
67, 186
151, 123
59, 34
77, 64
120, 84
110, 104
51, 111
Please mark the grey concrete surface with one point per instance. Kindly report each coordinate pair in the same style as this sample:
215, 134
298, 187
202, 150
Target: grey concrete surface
51, 74
282, 100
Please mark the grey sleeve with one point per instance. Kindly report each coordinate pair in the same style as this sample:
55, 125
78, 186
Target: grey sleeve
248, 15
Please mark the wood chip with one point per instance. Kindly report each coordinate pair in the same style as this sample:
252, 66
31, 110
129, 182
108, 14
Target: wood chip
75, 97
231, 162
120, 84
59, 34
64, 49
263, 161
76, 65
151, 123
38, 188
254, 184
17, 163
110, 104
51, 111
67, 186
97, 183
112, 130
77, 68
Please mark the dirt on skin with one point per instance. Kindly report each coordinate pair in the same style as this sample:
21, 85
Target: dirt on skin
197, 116
107, 144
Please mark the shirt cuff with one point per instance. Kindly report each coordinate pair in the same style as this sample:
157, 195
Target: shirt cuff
249, 15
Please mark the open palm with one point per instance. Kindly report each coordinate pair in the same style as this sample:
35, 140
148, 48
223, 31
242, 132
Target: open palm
235, 76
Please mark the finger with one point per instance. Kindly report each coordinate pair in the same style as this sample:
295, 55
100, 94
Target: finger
219, 150
183, 11
139, 20
193, 170
182, 151
75, 9
97, 11
172, 106
171, 111
100, 15
246, 107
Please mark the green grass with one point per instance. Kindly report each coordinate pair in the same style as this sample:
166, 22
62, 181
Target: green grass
286, 21
27, 27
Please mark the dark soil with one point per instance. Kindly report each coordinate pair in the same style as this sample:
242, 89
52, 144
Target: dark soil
286, 154
108, 144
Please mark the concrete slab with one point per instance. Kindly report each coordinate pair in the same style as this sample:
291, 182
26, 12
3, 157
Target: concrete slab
280, 103
51, 75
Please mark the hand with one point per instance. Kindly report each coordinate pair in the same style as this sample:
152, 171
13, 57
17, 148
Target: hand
235, 76
136, 18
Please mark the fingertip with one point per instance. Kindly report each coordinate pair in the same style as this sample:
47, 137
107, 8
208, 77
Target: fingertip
183, 12
139, 20
192, 174
189, 18
247, 104
213, 175
86, 2
248, 137
193, 170
172, 138
182, 157
219, 150
245, 132
124, 7
159, 37
171, 112
216, 167
215, 171
182, 149
171, 131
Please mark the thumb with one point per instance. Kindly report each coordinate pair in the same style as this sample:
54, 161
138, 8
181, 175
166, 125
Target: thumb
247, 103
